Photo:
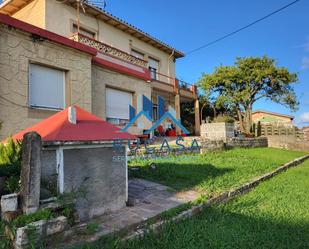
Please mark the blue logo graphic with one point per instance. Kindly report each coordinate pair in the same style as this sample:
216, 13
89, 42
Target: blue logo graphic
146, 110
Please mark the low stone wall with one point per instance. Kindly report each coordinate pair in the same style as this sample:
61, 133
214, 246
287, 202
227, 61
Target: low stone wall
247, 142
287, 142
212, 145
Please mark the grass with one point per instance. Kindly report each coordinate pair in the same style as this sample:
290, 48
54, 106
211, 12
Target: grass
213, 173
273, 215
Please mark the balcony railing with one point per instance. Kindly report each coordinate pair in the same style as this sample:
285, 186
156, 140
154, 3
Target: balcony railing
109, 50
123, 57
178, 84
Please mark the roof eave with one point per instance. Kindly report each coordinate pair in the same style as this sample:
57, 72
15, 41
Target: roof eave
155, 42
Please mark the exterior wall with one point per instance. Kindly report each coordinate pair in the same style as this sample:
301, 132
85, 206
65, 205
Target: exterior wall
215, 145
33, 13
247, 142
49, 177
217, 130
259, 115
101, 181
60, 18
102, 78
306, 133
288, 142
17, 50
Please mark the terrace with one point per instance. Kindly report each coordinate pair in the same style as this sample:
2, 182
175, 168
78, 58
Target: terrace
158, 80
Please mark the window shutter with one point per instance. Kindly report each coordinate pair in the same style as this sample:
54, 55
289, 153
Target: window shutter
46, 87
153, 63
117, 104
137, 54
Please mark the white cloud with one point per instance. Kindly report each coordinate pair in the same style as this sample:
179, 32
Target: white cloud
305, 63
304, 118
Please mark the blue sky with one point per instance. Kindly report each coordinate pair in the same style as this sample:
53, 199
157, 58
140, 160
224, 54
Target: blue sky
189, 24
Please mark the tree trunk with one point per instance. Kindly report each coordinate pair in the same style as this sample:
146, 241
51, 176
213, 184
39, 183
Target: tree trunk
248, 120
241, 121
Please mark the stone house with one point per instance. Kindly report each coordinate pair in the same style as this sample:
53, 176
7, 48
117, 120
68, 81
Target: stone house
49, 62
267, 117
79, 156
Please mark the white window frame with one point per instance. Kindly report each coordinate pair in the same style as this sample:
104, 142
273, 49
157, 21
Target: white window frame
118, 119
153, 70
45, 107
139, 54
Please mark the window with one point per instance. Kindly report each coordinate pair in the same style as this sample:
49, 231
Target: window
46, 87
155, 112
117, 106
137, 54
153, 66
83, 31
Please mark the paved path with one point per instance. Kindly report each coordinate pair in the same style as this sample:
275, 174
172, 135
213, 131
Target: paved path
148, 198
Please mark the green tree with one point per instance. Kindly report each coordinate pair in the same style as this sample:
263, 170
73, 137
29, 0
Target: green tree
239, 86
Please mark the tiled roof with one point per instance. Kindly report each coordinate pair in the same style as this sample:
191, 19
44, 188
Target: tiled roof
88, 127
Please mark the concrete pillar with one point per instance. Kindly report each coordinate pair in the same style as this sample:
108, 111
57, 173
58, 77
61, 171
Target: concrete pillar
197, 117
30, 172
177, 109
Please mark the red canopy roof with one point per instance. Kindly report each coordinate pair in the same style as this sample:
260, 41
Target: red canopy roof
88, 127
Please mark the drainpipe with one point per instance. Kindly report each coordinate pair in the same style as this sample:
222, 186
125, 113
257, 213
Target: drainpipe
168, 68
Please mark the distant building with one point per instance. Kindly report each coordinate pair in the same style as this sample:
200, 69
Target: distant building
266, 117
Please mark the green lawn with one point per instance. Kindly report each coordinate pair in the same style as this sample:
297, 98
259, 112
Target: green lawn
273, 215
214, 172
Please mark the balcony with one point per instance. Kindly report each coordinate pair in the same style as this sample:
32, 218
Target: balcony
167, 83
126, 63
109, 50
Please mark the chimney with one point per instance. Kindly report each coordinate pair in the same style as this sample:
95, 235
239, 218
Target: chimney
72, 115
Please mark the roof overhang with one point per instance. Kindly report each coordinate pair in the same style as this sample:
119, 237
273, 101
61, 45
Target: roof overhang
9, 7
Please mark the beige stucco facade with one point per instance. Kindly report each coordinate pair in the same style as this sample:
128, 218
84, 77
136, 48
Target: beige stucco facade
103, 78
86, 80
59, 18
17, 51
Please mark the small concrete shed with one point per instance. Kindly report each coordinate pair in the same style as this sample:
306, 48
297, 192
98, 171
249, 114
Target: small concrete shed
79, 156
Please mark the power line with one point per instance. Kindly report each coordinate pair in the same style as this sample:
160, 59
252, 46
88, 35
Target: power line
242, 28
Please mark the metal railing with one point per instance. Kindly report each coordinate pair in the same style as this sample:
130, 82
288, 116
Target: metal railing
178, 84
109, 50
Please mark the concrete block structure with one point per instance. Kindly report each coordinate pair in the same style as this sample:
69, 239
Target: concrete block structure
79, 159
89, 62
217, 131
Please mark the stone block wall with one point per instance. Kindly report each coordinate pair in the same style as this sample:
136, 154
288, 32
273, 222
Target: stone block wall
217, 130
288, 142
17, 50
247, 142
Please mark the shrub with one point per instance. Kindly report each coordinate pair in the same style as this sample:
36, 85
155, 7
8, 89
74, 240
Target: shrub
10, 164
23, 220
224, 118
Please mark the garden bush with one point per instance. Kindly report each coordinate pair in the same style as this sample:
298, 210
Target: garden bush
10, 164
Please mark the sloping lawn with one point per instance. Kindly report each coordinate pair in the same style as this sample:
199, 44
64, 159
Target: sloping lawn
274, 215
213, 172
